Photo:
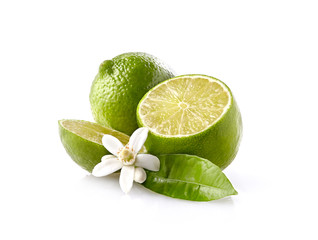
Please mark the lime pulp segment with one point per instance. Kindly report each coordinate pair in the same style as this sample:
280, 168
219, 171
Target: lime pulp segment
92, 131
184, 106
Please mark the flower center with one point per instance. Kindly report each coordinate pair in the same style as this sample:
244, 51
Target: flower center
126, 156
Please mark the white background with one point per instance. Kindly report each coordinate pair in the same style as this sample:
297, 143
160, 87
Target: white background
265, 51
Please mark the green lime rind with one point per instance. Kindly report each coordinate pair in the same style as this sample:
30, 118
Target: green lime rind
119, 85
189, 177
82, 141
219, 143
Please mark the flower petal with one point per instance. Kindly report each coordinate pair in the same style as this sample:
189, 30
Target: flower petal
107, 166
148, 161
112, 144
108, 157
126, 178
140, 175
138, 139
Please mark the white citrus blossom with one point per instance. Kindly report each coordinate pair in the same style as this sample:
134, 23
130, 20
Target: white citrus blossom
127, 159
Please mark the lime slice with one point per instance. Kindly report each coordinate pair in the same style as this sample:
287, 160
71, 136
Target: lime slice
192, 114
82, 140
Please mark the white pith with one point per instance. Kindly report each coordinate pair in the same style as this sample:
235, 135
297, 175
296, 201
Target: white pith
180, 106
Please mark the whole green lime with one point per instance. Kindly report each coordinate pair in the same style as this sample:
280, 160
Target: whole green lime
119, 86
192, 114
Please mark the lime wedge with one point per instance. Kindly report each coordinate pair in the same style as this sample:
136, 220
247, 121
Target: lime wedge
82, 140
192, 114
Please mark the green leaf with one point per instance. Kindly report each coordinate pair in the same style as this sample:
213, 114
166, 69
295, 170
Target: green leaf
189, 177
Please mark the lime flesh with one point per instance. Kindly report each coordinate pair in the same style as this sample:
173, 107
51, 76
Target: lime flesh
184, 106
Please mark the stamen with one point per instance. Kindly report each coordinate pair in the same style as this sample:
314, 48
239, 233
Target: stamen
126, 156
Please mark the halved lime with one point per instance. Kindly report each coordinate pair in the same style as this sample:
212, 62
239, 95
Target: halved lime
82, 140
192, 114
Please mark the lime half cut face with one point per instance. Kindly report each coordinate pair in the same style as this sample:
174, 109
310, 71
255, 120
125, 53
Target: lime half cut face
184, 105
192, 114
